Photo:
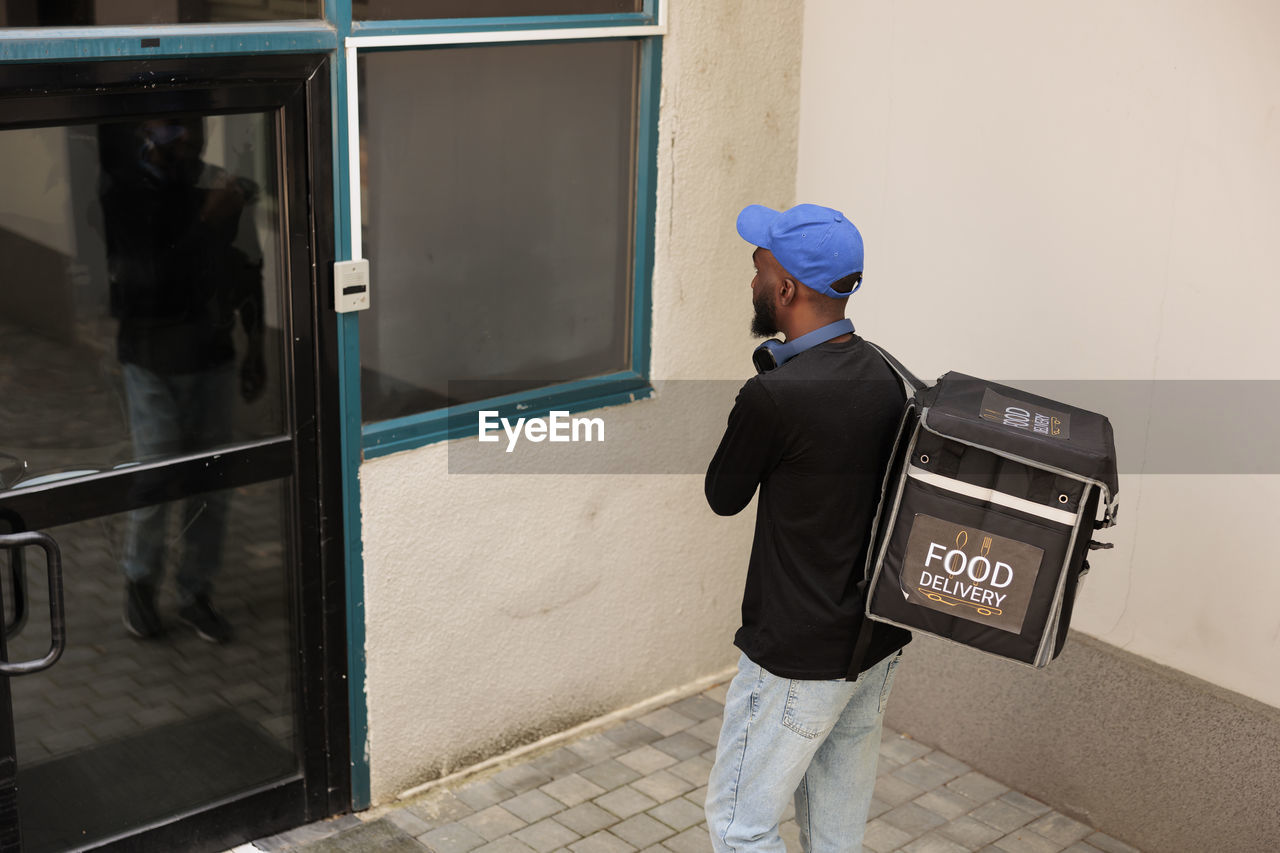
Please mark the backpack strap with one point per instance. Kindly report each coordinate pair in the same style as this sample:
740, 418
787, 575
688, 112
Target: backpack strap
862, 645
909, 380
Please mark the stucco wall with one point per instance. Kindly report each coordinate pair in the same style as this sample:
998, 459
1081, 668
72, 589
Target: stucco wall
503, 607
1081, 191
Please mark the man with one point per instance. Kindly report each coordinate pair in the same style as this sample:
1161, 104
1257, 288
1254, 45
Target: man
815, 435
184, 264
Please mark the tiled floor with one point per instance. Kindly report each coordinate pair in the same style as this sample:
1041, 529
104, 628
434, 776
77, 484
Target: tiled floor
640, 784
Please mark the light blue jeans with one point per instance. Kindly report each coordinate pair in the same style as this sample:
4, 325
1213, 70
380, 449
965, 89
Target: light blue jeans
170, 415
815, 740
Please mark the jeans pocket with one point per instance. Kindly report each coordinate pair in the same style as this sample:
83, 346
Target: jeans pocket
814, 706
888, 681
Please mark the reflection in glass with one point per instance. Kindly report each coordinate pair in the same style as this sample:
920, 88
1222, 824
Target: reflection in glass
498, 187
381, 10
123, 731
181, 271
81, 13
140, 295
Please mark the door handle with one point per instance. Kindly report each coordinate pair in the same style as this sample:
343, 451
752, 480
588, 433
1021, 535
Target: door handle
18, 576
57, 613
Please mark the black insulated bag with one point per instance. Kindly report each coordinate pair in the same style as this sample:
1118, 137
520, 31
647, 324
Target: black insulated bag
985, 517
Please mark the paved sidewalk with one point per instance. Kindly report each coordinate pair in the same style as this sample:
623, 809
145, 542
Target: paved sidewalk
640, 785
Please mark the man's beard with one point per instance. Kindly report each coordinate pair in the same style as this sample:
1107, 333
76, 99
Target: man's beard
765, 322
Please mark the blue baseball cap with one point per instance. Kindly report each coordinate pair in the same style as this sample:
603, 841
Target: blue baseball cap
816, 244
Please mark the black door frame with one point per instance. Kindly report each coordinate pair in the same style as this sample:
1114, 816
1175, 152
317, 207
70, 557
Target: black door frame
297, 87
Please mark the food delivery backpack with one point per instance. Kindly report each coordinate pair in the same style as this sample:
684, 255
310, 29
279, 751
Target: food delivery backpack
985, 517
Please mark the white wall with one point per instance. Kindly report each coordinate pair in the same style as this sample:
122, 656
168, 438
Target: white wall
1101, 180
503, 607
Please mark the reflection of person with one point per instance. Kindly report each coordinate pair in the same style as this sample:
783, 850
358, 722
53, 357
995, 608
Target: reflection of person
815, 435
181, 270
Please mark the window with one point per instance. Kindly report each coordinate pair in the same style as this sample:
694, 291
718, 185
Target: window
505, 208
498, 218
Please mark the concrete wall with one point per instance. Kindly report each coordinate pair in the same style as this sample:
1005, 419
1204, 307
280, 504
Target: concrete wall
1149, 754
1085, 191
1079, 191
503, 607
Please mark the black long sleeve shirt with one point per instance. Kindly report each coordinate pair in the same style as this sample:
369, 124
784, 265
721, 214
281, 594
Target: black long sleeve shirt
177, 280
815, 435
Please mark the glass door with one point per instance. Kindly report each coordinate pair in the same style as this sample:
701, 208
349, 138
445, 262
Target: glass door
161, 421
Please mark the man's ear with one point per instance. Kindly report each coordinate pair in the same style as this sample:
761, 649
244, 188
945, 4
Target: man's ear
786, 291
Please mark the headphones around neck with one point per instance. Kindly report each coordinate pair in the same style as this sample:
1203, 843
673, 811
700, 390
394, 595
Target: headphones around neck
774, 353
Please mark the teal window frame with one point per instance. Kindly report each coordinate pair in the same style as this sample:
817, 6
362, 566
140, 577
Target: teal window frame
380, 438
312, 35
